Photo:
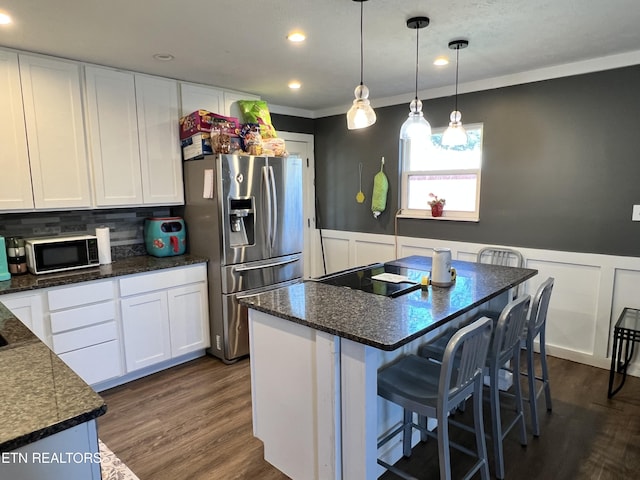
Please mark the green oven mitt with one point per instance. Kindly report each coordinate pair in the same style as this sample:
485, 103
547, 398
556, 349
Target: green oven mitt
380, 189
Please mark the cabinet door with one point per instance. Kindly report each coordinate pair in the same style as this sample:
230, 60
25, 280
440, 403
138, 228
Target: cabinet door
96, 363
16, 190
200, 97
113, 137
145, 326
231, 107
161, 161
28, 308
188, 319
55, 129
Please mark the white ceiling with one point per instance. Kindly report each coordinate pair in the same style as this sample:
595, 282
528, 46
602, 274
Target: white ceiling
241, 45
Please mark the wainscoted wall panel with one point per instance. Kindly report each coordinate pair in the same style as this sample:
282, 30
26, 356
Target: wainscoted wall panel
573, 310
126, 226
339, 258
367, 252
589, 294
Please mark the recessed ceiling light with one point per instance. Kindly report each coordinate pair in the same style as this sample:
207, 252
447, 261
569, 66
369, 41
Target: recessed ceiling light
296, 37
5, 19
294, 85
441, 61
163, 57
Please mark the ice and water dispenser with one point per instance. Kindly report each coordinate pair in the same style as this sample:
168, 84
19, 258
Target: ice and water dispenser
241, 221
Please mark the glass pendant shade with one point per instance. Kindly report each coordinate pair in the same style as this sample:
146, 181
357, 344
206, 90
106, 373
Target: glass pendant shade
360, 115
455, 134
416, 126
415, 132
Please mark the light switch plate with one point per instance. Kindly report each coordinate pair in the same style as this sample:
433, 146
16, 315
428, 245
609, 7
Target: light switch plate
635, 216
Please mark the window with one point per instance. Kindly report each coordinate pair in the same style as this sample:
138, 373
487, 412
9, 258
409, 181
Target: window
452, 174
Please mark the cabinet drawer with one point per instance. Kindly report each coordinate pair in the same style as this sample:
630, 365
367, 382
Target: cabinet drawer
173, 277
96, 363
84, 337
79, 295
82, 317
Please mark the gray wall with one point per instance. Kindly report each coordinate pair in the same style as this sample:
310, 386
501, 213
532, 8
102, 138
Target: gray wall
561, 166
288, 123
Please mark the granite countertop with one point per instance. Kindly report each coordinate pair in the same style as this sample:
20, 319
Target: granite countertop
127, 266
383, 322
40, 394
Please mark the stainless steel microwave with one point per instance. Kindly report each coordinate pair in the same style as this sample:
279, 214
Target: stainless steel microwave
59, 254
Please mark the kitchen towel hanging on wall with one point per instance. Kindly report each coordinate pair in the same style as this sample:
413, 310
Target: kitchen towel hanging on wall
380, 189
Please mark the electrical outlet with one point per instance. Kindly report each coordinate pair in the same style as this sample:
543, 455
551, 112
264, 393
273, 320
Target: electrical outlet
635, 216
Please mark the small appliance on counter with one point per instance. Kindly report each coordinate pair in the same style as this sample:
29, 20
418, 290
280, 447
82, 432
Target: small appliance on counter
165, 237
62, 253
16, 256
4, 267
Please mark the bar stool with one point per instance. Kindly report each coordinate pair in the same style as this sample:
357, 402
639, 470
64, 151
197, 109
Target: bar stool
536, 327
433, 390
504, 349
506, 257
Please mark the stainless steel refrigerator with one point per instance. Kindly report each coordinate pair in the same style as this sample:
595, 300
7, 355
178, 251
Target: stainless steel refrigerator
245, 214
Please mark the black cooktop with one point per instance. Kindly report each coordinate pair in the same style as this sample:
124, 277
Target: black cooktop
360, 279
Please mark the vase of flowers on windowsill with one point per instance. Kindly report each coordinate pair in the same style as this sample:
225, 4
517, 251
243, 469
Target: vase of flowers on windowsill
437, 205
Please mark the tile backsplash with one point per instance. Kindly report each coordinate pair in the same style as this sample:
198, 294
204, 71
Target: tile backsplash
125, 224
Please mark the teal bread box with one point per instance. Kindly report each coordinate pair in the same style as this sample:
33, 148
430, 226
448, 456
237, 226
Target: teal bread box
165, 237
4, 267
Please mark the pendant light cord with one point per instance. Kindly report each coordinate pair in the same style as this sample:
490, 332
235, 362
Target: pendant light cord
417, 49
457, 66
361, 48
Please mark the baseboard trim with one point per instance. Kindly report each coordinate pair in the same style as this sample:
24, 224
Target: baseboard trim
143, 372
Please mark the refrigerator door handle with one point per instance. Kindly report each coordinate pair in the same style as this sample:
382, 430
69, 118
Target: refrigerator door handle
274, 192
262, 266
254, 292
267, 185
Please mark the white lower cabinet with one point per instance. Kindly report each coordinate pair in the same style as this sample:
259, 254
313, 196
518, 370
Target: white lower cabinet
84, 327
102, 335
145, 325
28, 307
188, 314
161, 320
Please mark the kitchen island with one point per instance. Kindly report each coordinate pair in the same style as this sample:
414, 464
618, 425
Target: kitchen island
316, 350
47, 412
48, 428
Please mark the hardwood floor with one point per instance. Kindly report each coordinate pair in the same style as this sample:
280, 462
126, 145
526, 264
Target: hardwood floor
189, 422
194, 422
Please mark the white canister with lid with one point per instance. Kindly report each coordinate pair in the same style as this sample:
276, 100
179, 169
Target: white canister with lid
442, 273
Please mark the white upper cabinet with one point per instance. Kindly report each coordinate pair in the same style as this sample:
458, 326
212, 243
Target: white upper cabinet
125, 153
16, 190
133, 137
112, 132
160, 156
231, 107
201, 97
55, 129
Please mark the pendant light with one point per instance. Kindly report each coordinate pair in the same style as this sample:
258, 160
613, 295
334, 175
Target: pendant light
361, 115
455, 134
415, 130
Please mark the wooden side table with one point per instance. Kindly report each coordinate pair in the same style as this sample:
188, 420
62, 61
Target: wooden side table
625, 335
